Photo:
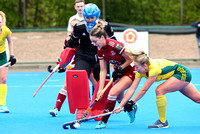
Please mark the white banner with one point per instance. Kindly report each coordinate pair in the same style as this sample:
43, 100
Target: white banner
139, 41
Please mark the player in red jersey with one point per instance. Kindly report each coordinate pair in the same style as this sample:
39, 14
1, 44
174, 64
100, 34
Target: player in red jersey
112, 51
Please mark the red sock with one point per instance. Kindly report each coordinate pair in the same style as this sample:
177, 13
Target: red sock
109, 107
61, 98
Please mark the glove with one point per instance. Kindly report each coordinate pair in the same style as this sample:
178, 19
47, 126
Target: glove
129, 106
117, 73
12, 60
61, 70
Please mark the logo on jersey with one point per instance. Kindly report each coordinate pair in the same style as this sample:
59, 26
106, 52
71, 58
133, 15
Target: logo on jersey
111, 43
112, 52
84, 34
119, 47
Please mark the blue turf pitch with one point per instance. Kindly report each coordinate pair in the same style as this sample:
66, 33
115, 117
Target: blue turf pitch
31, 115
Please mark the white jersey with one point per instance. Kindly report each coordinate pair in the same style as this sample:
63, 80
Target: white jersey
69, 29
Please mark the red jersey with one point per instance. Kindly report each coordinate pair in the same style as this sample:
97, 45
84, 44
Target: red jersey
112, 53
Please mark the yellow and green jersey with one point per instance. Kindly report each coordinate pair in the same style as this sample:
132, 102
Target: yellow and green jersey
161, 67
4, 34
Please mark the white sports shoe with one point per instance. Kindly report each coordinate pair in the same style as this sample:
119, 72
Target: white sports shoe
4, 109
54, 112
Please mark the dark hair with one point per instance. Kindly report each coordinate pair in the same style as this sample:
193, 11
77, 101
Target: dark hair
78, 1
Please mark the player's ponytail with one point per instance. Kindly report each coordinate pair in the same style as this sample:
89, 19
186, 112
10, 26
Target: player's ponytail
98, 30
100, 25
138, 56
141, 57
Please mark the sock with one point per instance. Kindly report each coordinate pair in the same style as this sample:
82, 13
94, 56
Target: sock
162, 106
3, 93
61, 98
110, 104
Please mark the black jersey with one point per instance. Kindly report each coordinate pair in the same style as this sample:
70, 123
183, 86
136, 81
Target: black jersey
80, 38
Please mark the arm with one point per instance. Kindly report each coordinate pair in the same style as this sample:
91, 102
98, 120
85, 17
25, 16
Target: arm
140, 93
10, 45
73, 42
129, 92
145, 87
117, 73
69, 28
127, 62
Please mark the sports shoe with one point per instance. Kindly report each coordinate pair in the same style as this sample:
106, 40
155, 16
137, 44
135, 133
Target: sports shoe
54, 112
132, 113
159, 124
97, 112
100, 125
4, 109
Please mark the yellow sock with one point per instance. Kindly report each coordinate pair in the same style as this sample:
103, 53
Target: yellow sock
162, 106
3, 93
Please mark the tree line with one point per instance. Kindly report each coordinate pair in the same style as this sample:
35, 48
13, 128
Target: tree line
56, 13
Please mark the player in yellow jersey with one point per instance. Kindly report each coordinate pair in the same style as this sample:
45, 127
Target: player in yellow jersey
5, 33
177, 76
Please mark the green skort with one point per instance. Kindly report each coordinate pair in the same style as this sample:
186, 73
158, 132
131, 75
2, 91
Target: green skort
3, 58
182, 73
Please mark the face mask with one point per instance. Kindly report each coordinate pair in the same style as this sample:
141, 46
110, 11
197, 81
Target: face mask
90, 25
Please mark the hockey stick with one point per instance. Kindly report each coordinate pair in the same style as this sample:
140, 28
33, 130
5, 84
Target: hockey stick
56, 68
49, 69
69, 65
71, 123
4, 65
95, 101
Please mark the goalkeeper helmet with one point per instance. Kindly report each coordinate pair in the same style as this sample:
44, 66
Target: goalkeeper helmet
90, 10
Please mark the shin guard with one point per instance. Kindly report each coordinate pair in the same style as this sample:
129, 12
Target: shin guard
77, 89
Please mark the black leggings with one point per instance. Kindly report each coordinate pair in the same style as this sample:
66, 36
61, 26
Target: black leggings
82, 64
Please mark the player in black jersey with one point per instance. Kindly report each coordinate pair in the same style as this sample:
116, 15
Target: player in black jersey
86, 55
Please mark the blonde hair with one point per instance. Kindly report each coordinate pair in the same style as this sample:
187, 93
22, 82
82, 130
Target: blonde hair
74, 21
138, 56
72, 24
2, 14
98, 30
